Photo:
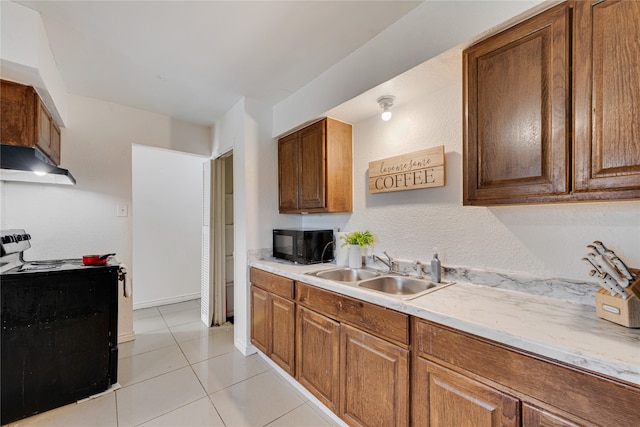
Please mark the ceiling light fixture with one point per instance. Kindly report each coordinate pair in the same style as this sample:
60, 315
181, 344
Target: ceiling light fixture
386, 102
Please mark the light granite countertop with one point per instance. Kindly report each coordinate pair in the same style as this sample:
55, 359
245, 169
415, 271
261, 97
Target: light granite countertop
565, 331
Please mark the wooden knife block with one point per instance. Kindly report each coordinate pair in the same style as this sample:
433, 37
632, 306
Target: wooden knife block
618, 310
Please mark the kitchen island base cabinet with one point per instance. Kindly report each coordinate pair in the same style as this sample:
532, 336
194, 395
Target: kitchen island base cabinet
318, 342
374, 383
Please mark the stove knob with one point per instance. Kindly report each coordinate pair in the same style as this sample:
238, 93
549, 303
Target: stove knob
28, 236
18, 237
7, 239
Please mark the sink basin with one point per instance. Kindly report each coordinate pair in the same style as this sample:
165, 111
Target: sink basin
404, 287
347, 274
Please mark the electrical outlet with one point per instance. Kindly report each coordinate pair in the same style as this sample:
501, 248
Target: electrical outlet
123, 210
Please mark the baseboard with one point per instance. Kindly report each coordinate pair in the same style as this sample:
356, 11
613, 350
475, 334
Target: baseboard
245, 349
130, 336
165, 301
303, 390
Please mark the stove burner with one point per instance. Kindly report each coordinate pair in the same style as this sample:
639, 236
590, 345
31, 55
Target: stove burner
49, 262
39, 266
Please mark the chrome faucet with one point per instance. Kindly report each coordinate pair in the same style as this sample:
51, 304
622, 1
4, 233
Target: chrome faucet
332, 242
391, 264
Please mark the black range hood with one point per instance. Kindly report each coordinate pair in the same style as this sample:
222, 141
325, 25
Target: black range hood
26, 164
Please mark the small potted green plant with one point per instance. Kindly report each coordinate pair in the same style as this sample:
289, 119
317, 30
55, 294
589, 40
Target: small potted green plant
358, 242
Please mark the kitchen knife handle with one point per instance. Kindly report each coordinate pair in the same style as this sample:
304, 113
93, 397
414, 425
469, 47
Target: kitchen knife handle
622, 267
611, 270
600, 247
591, 264
593, 249
604, 284
605, 278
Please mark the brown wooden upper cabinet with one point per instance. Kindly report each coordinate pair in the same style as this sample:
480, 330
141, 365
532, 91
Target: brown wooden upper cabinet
551, 107
25, 121
315, 169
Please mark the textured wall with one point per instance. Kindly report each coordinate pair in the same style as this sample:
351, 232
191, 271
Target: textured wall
546, 240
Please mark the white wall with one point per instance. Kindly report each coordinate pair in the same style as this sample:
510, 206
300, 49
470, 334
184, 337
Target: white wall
167, 225
69, 221
546, 240
27, 58
246, 129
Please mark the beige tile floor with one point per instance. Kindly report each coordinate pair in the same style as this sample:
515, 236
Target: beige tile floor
179, 373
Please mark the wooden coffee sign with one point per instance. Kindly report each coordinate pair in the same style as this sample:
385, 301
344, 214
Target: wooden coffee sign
421, 169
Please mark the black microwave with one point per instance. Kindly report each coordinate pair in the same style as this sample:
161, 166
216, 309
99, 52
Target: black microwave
303, 246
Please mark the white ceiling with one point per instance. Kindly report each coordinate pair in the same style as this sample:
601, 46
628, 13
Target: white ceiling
193, 60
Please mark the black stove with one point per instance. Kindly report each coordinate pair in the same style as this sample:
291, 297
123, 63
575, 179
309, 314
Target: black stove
59, 329
16, 241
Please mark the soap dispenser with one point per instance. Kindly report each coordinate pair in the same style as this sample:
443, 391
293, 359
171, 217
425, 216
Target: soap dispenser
435, 269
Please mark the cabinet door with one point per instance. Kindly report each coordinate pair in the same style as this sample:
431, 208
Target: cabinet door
17, 115
317, 359
260, 324
44, 127
283, 318
516, 95
288, 172
55, 143
536, 417
312, 174
443, 398
374, 383
607, 97
48, 135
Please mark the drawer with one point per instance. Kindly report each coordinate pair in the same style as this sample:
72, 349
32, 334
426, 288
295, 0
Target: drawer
272, 283
382, 322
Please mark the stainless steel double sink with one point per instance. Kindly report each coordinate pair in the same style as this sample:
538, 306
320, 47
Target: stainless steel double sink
404, 287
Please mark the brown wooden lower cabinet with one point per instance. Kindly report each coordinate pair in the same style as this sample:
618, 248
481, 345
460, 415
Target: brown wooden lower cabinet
273, 318
365, 364
448, 399
465, 380
283, 318
536, 417
318, 360
374, 382
260, 319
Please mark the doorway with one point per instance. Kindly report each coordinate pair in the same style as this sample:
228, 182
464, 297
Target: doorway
166, 202
218, 242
